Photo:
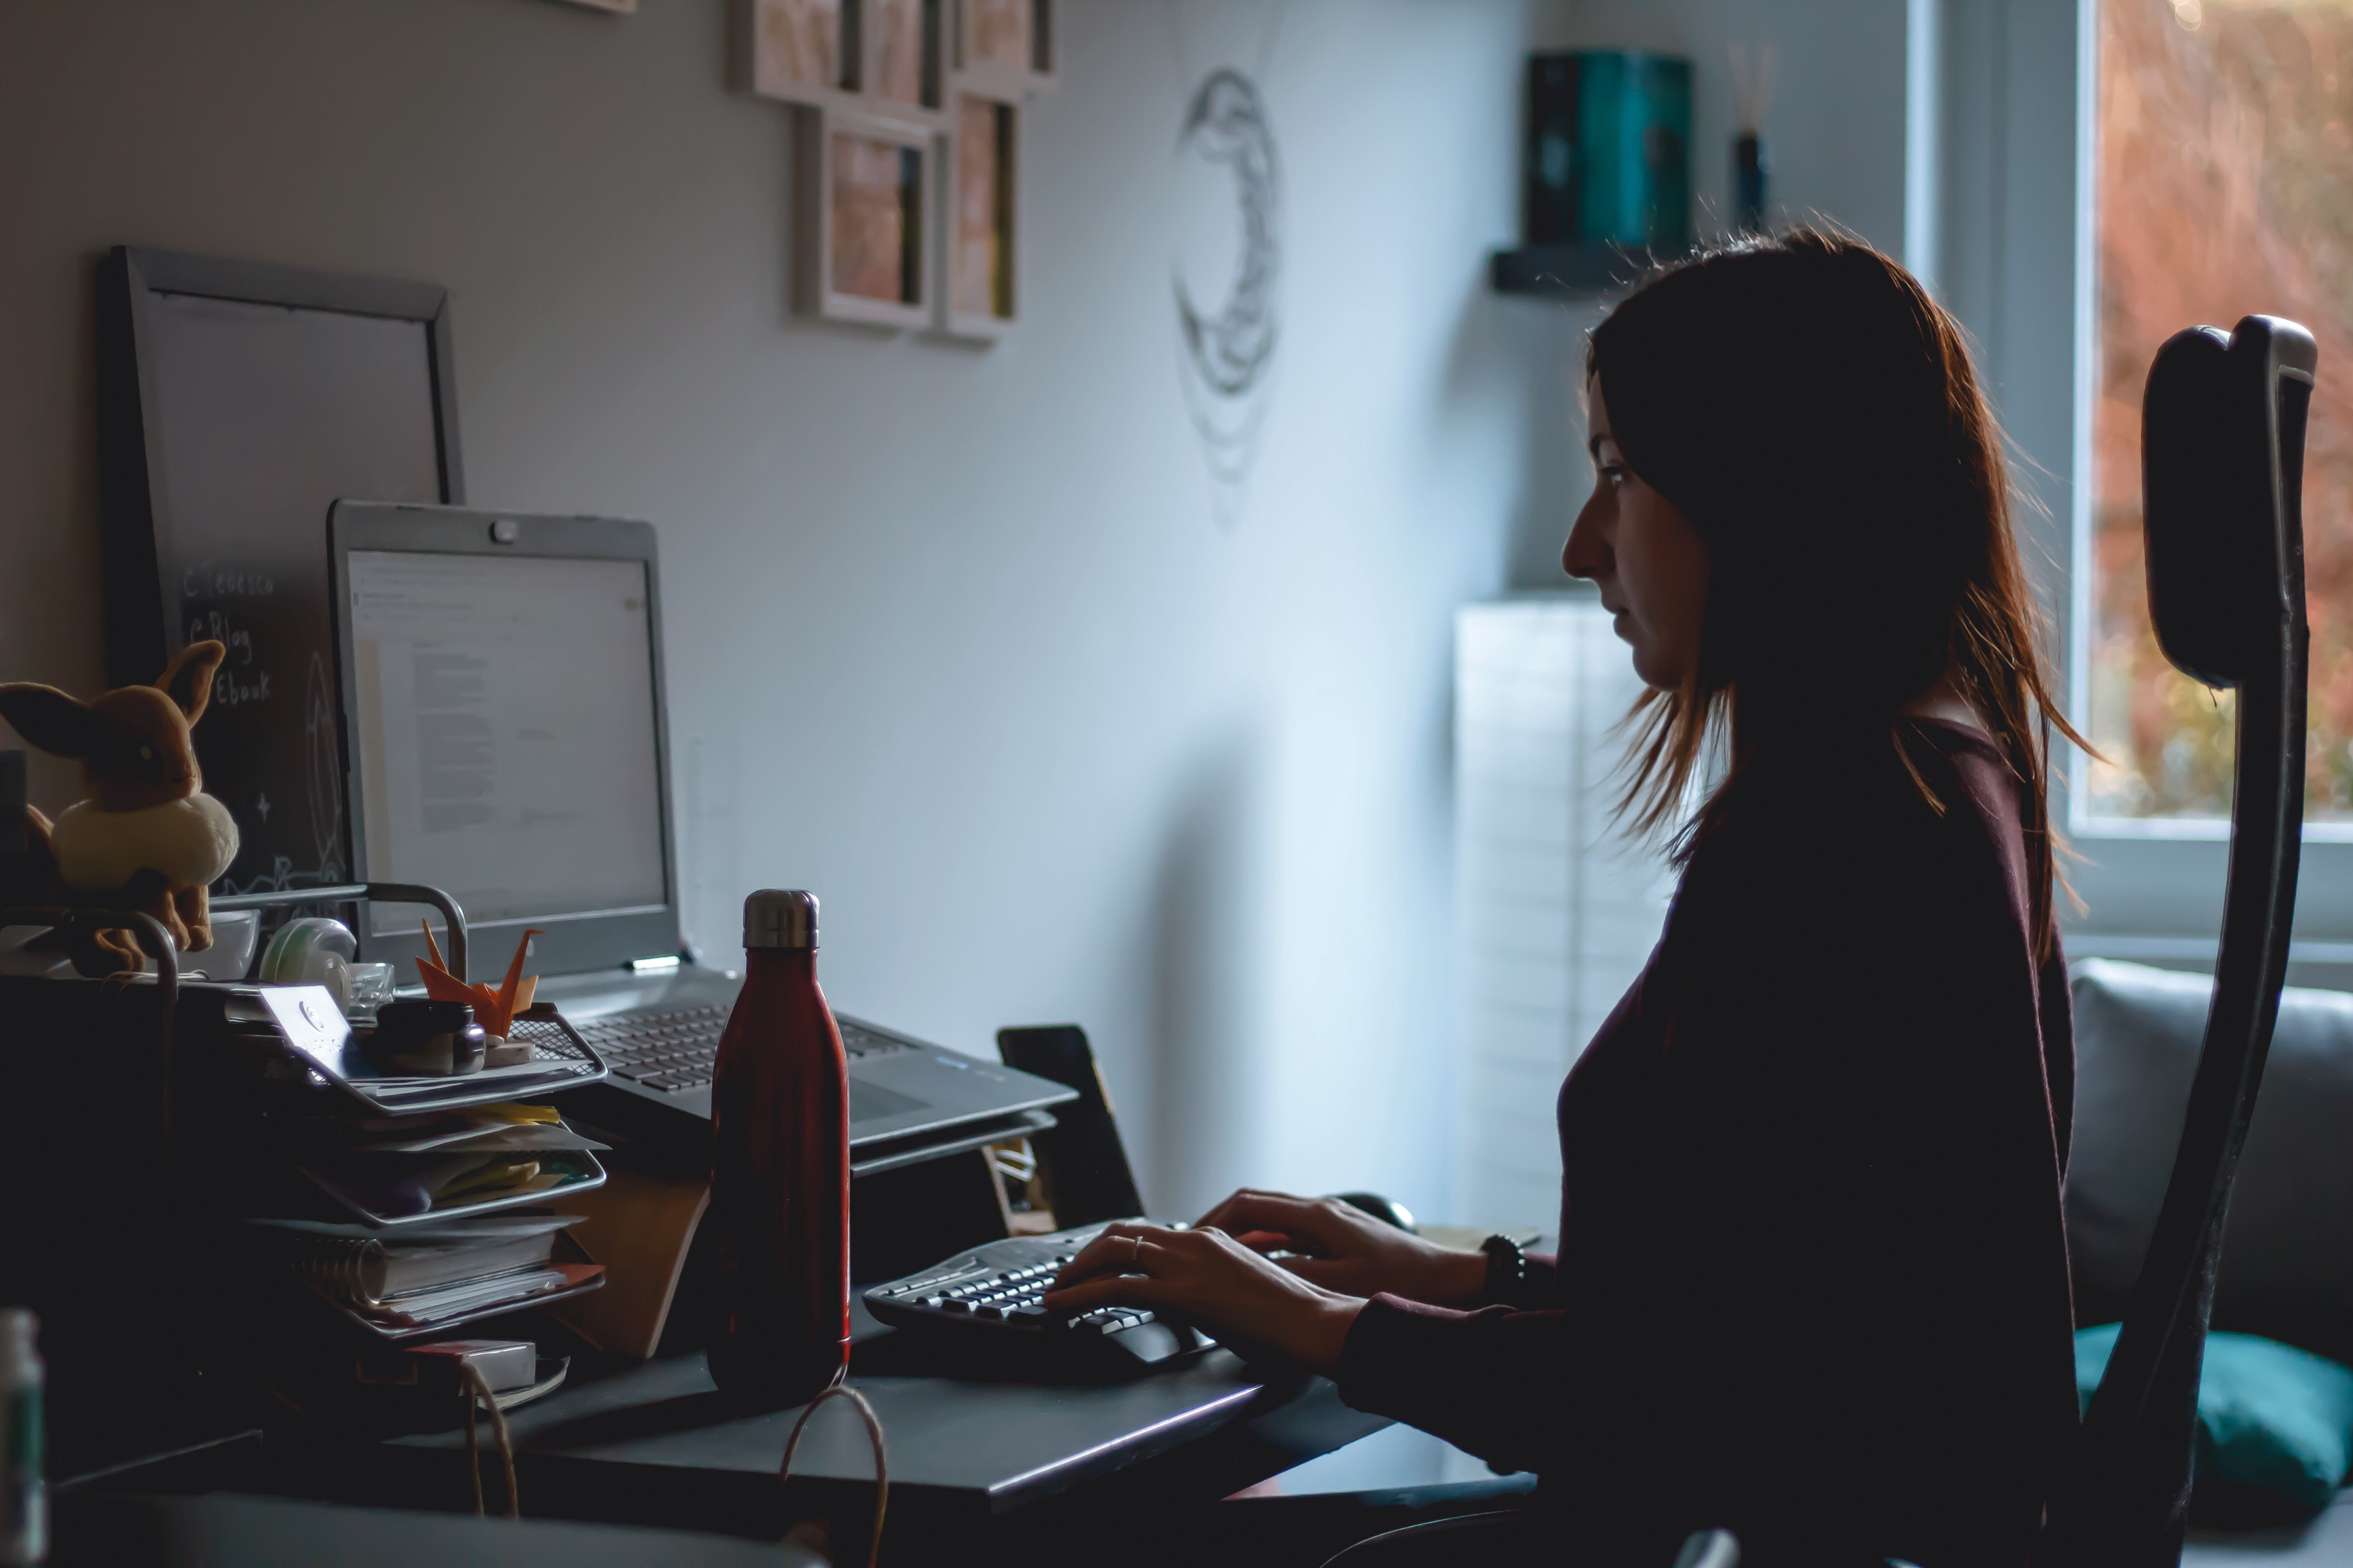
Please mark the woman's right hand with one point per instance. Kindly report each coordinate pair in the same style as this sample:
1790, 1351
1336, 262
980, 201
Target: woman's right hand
1346, 1249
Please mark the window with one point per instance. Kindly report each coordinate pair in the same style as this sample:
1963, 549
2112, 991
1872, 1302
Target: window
2222, 187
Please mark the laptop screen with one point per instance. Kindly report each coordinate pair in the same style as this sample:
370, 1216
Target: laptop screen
503, 733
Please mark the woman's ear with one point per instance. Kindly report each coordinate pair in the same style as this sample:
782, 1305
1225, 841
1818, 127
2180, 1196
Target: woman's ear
50, 720
189, 679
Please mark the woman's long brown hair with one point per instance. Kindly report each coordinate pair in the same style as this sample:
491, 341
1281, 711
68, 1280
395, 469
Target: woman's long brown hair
1815, 414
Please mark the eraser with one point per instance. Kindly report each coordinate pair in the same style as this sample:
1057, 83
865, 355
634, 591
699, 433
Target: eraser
504, 1363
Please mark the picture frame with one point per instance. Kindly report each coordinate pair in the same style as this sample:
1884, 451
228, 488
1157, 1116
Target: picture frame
867, 245
900, 45
362, 392
1004, 47
980, 229
800, 51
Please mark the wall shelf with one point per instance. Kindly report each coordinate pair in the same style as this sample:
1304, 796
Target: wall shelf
1563, 271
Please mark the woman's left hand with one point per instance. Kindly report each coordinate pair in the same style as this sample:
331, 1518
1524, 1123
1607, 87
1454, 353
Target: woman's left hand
1207, 1276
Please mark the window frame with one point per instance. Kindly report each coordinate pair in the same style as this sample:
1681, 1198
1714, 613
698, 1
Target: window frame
2009, 241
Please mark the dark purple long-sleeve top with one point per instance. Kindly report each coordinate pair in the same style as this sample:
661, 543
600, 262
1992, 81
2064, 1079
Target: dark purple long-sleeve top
1813, 1278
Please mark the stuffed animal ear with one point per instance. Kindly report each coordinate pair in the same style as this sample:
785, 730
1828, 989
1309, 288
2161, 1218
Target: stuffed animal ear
50, 720
189, 679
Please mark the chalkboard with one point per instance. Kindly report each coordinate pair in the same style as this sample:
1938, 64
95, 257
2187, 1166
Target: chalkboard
237, 403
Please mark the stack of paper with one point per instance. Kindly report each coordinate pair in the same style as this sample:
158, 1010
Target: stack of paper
432, 1276
396, 1170
438, 1234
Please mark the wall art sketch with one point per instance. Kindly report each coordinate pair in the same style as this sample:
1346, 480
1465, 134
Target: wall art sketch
1227, 345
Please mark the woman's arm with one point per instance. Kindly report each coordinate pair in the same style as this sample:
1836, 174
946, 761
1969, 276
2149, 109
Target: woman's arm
1486, 1380
1207, 1276
1301, 1304
1341, 1247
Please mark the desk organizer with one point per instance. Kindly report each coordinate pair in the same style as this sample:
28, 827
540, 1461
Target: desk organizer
316, 1035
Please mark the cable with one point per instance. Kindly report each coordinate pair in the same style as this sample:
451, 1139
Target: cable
882, 1460
472, 1384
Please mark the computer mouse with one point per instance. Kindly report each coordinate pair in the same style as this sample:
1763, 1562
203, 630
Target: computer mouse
1379, 1207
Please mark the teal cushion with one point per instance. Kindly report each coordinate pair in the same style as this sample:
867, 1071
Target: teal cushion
2275, 1423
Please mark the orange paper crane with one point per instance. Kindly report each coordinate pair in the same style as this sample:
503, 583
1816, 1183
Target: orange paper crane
493, 1010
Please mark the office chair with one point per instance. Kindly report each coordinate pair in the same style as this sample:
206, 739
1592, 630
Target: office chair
2222, 427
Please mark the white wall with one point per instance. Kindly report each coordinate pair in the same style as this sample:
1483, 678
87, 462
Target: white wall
954, 638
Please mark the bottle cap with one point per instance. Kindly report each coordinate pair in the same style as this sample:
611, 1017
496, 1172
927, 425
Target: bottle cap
20, 1330
778, 917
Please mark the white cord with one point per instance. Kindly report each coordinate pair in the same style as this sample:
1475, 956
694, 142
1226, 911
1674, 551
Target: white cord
472, 1384
874, 1435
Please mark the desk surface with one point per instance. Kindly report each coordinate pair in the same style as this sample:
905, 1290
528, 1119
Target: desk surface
99, 1529
960, 1444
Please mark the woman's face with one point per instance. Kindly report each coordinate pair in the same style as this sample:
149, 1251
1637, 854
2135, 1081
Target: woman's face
1643, 553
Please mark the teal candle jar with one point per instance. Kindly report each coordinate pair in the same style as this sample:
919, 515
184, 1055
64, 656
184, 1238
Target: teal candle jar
1634, 122
1608, 158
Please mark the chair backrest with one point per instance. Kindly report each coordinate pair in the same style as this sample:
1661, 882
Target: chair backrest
2222, 427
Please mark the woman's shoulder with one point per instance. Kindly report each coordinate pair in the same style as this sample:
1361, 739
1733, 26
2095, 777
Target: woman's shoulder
1891, 817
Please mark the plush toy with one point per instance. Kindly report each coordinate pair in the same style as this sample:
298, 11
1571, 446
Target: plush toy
148, 839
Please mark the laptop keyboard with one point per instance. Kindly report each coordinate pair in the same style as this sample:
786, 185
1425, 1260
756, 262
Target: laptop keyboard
672, 1050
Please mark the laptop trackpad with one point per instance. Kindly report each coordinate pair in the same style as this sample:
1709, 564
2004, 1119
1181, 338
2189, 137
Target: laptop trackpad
868, 1103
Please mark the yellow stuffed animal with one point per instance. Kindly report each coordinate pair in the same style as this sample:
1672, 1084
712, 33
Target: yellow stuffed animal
148, 839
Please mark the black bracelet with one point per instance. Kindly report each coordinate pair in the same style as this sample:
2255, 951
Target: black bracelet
1507, 1270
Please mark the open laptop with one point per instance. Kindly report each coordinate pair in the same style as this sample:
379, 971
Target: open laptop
502, 738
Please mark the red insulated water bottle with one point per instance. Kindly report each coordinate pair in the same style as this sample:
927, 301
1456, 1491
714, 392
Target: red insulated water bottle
780, 1167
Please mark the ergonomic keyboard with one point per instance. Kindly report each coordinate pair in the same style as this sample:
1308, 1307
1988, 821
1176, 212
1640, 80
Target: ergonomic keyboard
992, 1294
673, 1049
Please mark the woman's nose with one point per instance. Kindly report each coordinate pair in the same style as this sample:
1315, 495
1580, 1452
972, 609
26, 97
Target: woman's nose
1586, 554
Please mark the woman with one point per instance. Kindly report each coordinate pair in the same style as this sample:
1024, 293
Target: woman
1811, 1283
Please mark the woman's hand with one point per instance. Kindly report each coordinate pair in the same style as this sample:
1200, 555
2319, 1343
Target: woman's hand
1344, 1249
1210, 1277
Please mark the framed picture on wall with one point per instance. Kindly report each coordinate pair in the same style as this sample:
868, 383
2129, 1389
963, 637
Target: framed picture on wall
866, 238
799, 49
899, 45
1004, 45
980, 295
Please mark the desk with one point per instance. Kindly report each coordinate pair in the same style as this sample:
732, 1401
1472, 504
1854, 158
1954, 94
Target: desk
974, 1462
655, 1445
97, 1531
650, 1444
